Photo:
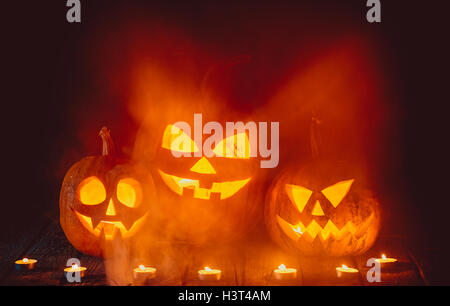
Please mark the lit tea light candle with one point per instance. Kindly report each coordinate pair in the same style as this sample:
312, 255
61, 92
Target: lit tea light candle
386, 262
283, 273
346, 272
25, 264
143, 273
209, 274
75, 268
384, 259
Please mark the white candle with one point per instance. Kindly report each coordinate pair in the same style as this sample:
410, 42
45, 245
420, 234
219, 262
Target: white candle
384, 259
386, 262
142, 273
209, 274
283, 273
346, 272
25, 264
76, 268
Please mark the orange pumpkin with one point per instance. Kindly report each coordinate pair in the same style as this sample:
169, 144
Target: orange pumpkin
202, 199
322, 209
103, 198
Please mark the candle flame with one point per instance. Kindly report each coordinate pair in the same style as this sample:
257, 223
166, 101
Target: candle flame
282, 267
344, 267
383, 256
186, 182
74, 266
142, 267
25, 259
207, 269
298, 230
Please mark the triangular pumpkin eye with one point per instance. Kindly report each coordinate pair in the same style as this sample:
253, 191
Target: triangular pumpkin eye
298, 195
175, 139
337, 192
236, 146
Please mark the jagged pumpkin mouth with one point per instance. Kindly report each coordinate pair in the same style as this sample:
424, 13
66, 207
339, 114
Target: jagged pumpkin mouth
109, 228
313, 230
185, 186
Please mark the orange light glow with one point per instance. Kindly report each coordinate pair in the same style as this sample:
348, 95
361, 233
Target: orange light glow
209, 274
236, 146
177, 140
91, 191
225, 189
337, 192
109, 227
317, 210
298, 195
111, 211
129, 192
310, 232
203, 166
283, 273
385, 260
347, 270
298, 230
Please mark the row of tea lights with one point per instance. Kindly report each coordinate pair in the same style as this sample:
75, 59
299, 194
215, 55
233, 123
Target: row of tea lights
207, 274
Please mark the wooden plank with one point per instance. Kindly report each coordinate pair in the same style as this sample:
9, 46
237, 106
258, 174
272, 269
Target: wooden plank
215, 257
170, 260
17, 244
257, 260
319, 271
251, 263
52, 250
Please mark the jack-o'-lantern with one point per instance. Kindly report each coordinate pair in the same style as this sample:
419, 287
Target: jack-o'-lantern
103, 198
205, 199
322, 208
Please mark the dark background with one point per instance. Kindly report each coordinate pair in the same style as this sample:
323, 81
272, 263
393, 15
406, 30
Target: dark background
45, 76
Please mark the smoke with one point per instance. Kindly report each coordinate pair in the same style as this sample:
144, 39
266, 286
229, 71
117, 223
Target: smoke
147, 74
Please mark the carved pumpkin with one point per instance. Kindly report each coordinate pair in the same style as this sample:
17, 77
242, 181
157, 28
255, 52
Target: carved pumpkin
103, 199
322, 208
319, 209
204, 199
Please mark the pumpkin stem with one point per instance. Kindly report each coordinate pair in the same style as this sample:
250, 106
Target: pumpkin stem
315, 137
108, 144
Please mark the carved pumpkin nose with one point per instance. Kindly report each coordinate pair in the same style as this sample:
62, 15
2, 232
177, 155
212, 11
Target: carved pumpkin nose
203, 166
317, 210
111, 211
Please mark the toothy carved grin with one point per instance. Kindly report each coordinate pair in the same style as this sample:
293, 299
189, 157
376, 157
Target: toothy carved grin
222, 190
109, 228
310, 232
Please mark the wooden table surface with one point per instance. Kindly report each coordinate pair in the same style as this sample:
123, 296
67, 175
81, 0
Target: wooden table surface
248, 265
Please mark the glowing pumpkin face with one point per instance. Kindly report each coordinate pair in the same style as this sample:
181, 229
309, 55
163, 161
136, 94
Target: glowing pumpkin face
316, 212
203, 181
101, 200
113, 212
204, 199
